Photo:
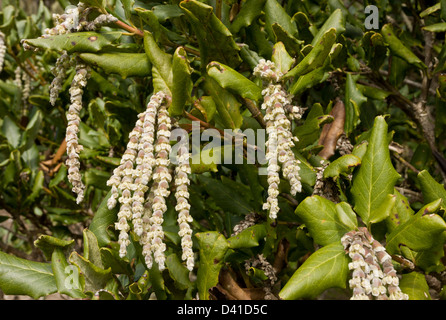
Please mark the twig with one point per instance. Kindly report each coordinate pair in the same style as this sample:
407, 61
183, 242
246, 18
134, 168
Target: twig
255, 112
404, 162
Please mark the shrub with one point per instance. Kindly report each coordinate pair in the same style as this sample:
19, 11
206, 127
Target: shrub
321, 180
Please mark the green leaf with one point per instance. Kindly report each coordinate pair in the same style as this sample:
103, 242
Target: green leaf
214, 39
23, 277
309, 80
31, 130
67, 278
182, 83
326, 268
341, 165
414, 284
48, 244
166, 12
91, 248
248, 238
11, 131
376, 177
161, 61
316, 57
436, 27
123, 63
94, 277
327, 222
292, 44
336, 21
353, 102
398, 48
102, 219
375, 49
400, 213
35, 191
213, 247
281, 58
309, 132
76, 41
228, 107
275, 13
251, 9
230, 79
431, 189
178, 272
225, 197
420, 232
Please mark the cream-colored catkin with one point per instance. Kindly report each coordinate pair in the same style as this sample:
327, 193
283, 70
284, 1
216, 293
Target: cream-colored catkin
2, 50
73, 147
278, 116
162, 178
373, 275
98, 22
63, 63
183, 207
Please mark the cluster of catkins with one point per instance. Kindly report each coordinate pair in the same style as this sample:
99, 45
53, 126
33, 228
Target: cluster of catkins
144, 169
279, 114
74, 19
373, 274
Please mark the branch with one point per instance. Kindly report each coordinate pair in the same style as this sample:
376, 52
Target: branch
255, 112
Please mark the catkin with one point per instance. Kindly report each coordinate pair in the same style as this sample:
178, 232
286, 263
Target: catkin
373, 274
2, 50
73, 146
279, 111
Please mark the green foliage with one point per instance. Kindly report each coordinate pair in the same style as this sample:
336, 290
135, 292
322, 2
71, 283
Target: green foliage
390, 179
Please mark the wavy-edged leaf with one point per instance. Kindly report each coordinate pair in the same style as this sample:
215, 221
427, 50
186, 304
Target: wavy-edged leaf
24, 277
376, 177
77, 41
431, 189
213, 247
397, 47
326, 268
181, 82
102, 219
67, 282
94, 277
214, 39
48, 244
225, 197
91, 248
336, 21
123, 63
227, 106
248, 238
310, 79
353, 102
316, 57
282, 58
400, 213
414, 284
230, 79
251, 9
327, 222
375, 49
420, 232
341, 165
275, 13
